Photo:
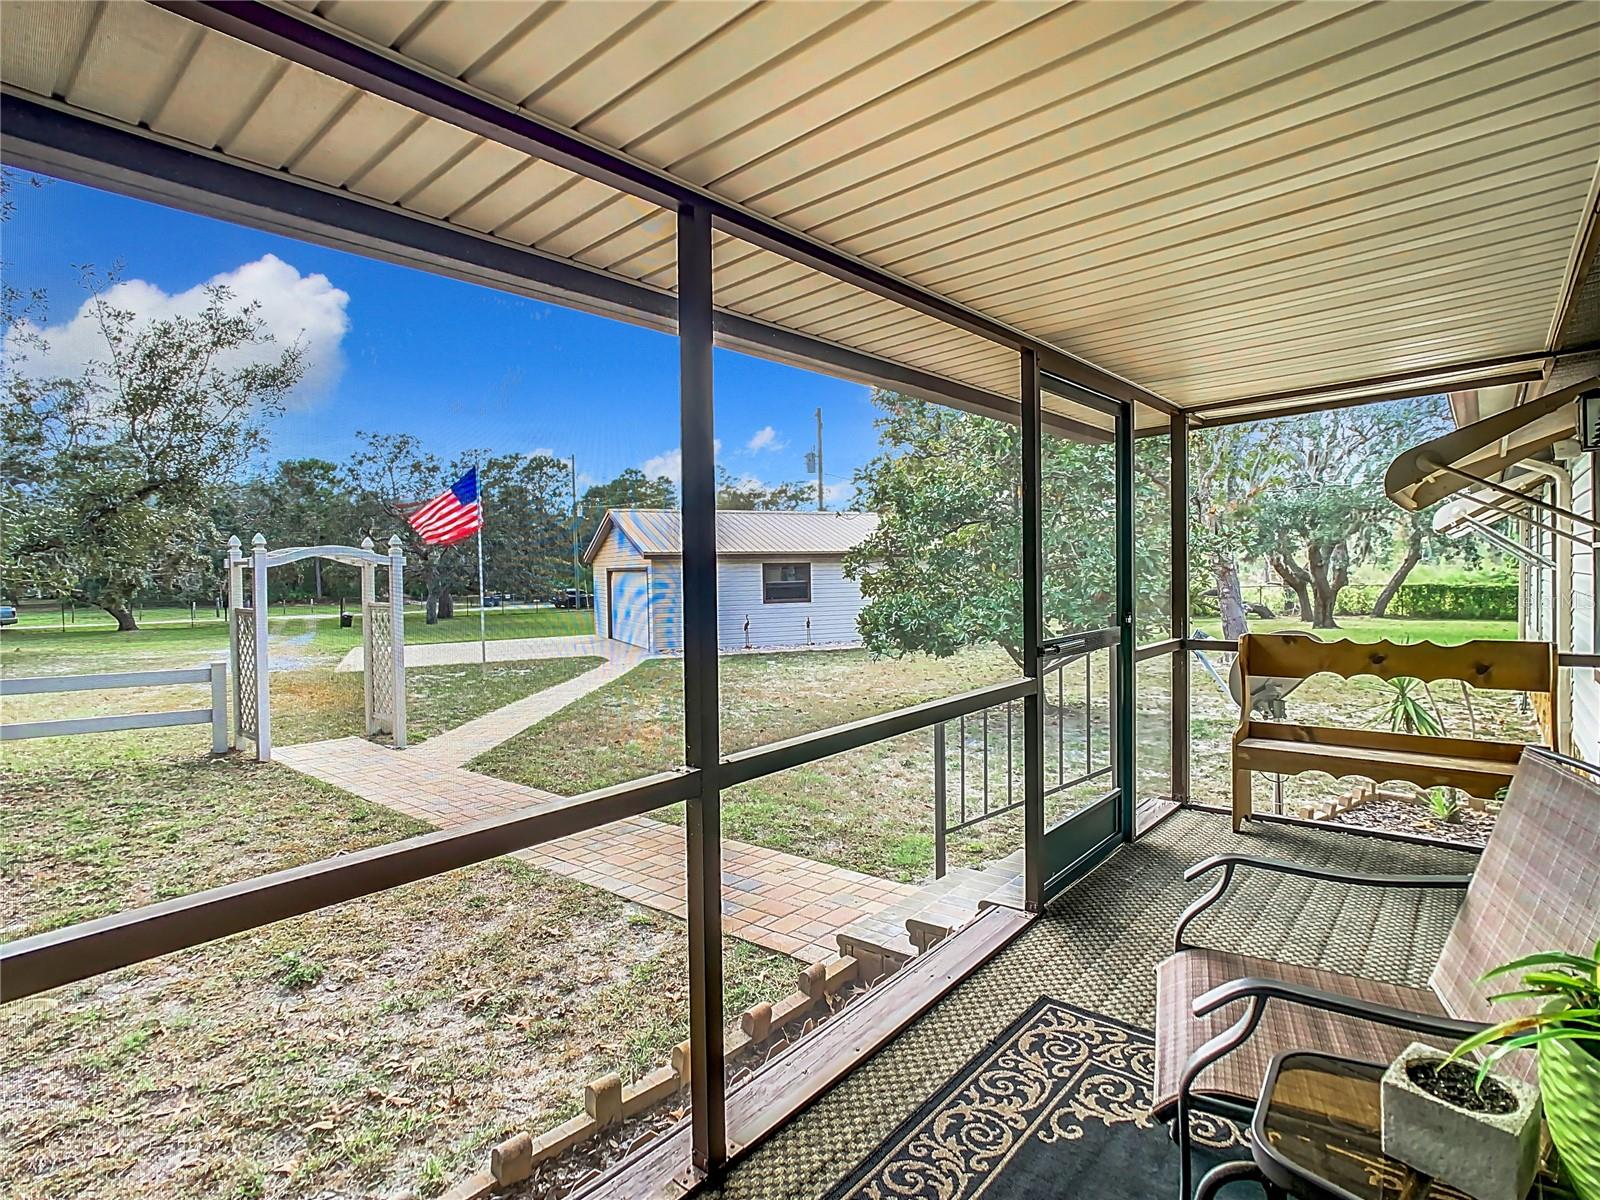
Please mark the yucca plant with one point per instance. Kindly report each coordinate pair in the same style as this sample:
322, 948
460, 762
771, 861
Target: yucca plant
1445, 803
1408, 713
1566, 1033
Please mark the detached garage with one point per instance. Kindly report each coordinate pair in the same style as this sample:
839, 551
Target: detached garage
780, 578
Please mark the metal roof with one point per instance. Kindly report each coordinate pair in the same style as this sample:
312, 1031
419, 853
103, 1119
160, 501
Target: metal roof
1218, 201
659, 532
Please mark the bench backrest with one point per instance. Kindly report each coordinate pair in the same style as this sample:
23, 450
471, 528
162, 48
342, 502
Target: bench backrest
1508, 666
1536, 888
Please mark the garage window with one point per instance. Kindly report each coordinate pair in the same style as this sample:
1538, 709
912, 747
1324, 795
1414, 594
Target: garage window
786, 583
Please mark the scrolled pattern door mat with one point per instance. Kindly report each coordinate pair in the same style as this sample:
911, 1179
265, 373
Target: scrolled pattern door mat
1057, 1106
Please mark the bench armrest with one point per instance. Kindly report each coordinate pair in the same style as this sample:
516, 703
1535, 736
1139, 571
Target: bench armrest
1263, 990
1227, 863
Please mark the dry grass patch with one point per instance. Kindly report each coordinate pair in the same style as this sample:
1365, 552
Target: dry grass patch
870, 810
380, 1044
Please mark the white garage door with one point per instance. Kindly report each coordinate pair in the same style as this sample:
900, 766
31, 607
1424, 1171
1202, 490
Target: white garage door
630, 607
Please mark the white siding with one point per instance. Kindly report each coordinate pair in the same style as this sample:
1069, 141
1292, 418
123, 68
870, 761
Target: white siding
832, 610
617, 552
666, 605
1585, 688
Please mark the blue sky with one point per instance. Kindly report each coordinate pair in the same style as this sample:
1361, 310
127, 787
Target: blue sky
399, 350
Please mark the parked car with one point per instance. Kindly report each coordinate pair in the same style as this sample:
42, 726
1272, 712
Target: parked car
572, 598
8, 615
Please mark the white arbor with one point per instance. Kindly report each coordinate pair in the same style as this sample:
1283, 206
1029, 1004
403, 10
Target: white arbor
382, 636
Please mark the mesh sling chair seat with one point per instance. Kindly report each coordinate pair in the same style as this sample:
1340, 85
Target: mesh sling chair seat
1220, 1017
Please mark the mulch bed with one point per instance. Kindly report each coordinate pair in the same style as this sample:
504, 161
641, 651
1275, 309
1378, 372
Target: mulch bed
1394, 816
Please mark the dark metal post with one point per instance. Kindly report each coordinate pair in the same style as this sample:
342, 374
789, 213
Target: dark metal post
1123, 699
1032, 633
1180, 607
939, 818
703, 820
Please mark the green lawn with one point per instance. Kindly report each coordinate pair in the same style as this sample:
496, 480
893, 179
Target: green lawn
307, 706
375, 1046
83, 617
50, 651
499, 624
312, 705
869, 810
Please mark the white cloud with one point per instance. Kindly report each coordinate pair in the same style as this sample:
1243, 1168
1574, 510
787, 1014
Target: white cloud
292, 307
838, 493
670, 463
765, 438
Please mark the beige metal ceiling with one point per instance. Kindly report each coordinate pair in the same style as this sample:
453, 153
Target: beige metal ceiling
1215, 200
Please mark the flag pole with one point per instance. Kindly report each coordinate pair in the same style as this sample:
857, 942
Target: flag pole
483, 599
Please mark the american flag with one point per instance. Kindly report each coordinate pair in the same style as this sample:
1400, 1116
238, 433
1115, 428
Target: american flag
453, 515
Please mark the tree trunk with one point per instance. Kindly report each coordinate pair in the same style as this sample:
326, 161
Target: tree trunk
1330, 571
316, 567
431, 603
1296, 578
1230, 603
447, 605
1380, 607
124, 616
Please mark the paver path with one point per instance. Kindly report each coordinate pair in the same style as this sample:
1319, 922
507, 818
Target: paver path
780, 901
444, 654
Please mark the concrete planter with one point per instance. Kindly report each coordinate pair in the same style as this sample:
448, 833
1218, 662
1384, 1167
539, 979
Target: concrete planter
1489, 1156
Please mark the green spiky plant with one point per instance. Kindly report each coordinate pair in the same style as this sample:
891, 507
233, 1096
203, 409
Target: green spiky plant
1407, 711
1445, 803
1566, 1033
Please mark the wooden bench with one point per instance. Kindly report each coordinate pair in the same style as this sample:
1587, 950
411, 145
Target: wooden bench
1479, 768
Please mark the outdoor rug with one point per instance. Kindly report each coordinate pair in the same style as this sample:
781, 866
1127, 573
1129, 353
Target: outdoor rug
1057, 1106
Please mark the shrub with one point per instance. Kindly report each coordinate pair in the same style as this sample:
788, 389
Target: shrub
1435, 601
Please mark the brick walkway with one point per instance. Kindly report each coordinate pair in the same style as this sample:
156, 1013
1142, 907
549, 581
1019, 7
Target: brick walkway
781, 901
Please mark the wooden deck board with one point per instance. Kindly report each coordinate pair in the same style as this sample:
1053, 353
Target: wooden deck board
769, 1098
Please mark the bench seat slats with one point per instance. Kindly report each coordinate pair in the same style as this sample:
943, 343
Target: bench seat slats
1509, 753
1478, 776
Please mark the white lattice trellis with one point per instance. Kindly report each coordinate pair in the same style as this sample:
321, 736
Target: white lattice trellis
244, 672
383, 634
380, 664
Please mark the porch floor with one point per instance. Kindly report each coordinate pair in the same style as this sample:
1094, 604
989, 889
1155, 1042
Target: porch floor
1098, 947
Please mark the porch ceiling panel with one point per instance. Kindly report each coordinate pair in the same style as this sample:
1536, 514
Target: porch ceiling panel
1217, 201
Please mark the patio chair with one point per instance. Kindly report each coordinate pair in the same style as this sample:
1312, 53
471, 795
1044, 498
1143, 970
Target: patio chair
1222, 1016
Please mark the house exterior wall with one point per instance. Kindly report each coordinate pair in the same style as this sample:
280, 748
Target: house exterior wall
617, 552
835, 603
1585, 687
666, 605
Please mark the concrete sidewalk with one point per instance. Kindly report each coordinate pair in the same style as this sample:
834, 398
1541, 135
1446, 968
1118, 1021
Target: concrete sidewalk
443, 654
459, 746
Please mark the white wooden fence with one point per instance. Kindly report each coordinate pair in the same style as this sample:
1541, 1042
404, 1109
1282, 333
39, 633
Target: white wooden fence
217, 715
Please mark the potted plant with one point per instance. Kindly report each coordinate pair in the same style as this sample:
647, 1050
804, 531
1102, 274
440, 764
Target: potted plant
1443, 1117
1566, 1033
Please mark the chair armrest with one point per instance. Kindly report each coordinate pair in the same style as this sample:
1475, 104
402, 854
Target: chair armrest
1226, 863
1335, 1002
1229, 861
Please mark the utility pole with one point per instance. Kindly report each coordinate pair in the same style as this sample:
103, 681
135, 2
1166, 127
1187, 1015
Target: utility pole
820, 505
572, 461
